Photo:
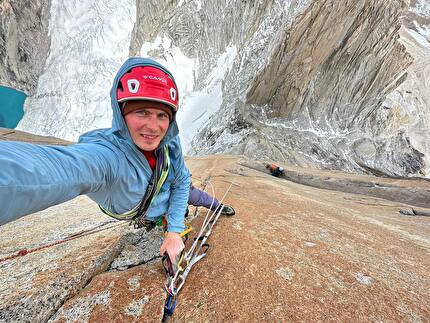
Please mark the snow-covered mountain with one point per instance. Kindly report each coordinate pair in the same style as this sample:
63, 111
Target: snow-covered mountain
329, 84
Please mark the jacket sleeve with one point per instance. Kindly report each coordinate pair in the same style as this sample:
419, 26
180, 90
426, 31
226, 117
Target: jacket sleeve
34, 177
179, 190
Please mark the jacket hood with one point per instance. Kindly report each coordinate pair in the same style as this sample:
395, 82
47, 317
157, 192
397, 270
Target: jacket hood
119, 126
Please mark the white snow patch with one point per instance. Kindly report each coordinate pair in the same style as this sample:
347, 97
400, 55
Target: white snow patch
176, 62
198, 106
199, 5
310, 244
197, 2
421, 35
319, 132
422, 8
89, 42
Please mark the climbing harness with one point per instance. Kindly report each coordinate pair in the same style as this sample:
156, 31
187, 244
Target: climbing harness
137, 216
175, 277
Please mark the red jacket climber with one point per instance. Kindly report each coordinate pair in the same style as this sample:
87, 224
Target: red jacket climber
275, 170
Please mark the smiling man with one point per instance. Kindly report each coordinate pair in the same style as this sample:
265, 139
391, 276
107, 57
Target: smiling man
134, 170
148, 97
147, 122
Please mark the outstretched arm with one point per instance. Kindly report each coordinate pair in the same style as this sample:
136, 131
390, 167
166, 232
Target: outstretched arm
35, 177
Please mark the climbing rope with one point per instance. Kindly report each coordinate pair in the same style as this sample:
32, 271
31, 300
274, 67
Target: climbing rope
74, 236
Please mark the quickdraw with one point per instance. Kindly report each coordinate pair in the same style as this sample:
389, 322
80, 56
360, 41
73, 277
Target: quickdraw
175, 277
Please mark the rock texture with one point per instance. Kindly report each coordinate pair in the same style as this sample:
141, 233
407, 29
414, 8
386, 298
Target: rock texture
413, 191
16, 135
313, 83
34, 286
408, 106
307, 255
24, 43
318, 98
292, 252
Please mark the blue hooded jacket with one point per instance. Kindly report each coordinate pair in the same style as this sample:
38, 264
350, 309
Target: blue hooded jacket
105, 164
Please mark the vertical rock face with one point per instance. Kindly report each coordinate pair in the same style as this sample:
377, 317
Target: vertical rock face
331, 63
408, 106
204, 29
319, 97
315, 83
24, 42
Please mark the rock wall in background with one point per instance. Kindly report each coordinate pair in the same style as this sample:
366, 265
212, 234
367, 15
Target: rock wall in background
24, 42
324, 95
313, 83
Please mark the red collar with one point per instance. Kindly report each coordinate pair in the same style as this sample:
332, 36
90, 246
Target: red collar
150, 157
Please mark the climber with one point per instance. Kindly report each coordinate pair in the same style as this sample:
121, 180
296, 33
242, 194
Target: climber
275, 170
134, 170
198, 197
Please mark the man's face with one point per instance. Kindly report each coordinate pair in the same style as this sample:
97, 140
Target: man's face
147, 125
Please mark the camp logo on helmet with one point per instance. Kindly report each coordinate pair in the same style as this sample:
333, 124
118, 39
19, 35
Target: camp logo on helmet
173, 94
148, 83
155, 78
133, 85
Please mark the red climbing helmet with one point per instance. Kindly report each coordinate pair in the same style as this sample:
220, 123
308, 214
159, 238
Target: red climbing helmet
148, 83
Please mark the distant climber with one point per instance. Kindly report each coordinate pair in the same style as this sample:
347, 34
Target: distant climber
275, 170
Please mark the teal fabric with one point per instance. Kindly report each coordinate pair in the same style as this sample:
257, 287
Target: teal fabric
105, 164
11, 106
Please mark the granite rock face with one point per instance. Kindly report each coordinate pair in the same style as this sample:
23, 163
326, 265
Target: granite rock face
24, 42
313, 83
310, 83
320, 98
310, 254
